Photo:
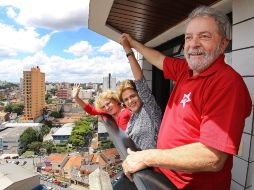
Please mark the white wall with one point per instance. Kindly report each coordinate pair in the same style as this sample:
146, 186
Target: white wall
243, 62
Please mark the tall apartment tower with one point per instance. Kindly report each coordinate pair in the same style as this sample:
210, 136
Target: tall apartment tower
109, 82
34, 93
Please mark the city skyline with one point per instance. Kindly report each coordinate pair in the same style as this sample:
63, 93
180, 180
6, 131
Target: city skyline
54, 36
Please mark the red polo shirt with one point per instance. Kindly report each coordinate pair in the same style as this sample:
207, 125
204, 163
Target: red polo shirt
209, 108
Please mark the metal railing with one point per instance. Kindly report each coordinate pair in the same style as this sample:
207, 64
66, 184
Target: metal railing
146, 179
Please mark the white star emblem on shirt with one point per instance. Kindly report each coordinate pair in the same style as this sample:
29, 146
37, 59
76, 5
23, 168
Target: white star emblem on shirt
186, 98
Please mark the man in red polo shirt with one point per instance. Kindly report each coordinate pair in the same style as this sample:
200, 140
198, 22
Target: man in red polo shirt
204, 119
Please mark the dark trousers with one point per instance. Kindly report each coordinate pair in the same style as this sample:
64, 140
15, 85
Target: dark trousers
124, 184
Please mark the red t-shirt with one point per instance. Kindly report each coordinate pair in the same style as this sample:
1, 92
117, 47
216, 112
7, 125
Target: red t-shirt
209, 108
122, 118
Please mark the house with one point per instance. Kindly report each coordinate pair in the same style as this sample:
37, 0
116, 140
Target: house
160, 24
56, 162
4, 116
73, 162
62, 134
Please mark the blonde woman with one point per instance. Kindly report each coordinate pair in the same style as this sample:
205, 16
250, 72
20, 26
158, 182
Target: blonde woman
106, 103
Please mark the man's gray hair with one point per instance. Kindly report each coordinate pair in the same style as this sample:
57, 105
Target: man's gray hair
221, 19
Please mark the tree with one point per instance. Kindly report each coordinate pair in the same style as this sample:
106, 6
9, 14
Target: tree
91, 100
15, 108
45, 130
48, 146
8, 108
56, 114
76, 140
106, 144
81, 130
28, 136
35, 146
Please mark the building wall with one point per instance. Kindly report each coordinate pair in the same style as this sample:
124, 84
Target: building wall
242, 61
34, 93
109, 82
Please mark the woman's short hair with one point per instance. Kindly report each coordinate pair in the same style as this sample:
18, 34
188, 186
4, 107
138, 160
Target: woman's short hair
106, 95
221, 19
126, 84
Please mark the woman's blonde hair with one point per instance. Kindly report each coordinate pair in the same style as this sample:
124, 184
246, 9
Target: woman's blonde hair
126, 84
106, 95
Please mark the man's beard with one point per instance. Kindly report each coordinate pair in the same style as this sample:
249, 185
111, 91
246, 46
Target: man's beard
202, 64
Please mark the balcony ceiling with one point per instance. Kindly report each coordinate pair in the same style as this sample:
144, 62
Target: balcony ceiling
146, 19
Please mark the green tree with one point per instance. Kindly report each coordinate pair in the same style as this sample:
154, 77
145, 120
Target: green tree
56, 114
35, 146
80, 132
91, 100
16, 108
8, 108
45, 130
28, 136
106, 144
76, 140
48, 146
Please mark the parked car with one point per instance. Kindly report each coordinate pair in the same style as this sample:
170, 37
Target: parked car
16, 162
63, 184
57, 182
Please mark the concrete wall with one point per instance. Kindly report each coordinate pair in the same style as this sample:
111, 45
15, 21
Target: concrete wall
243, 62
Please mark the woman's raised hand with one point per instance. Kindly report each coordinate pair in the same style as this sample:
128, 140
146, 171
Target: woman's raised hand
75, 91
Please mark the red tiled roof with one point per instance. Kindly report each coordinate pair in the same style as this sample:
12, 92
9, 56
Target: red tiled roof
110, 153
74, 161
56, 158
97, 158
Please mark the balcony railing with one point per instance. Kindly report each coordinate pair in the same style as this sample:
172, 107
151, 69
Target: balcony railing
146, 179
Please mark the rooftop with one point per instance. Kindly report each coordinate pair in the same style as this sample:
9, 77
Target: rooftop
66, 129
11, 173
74, 161
56, 158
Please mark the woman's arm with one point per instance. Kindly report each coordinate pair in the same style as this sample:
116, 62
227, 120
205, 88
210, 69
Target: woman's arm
136, 70
90, 109
153, 56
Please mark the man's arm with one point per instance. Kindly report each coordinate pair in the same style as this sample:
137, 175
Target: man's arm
194, 157
152, 56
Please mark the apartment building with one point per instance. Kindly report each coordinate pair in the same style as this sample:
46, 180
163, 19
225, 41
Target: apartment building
34, 93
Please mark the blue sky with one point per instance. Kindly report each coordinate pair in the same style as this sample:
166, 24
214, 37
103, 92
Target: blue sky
53, 34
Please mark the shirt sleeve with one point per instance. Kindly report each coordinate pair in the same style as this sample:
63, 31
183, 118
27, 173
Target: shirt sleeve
173, 67
144, 91
223, 117
90, 109
123, 119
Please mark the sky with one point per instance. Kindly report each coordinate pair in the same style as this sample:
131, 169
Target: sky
53, 34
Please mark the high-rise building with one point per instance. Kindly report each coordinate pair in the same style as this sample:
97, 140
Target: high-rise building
109, 82
34, 93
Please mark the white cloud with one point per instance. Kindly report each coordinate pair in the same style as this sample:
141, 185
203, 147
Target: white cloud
56, 15
11, 12
80, 49
51, 14
15, 40
58, 69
